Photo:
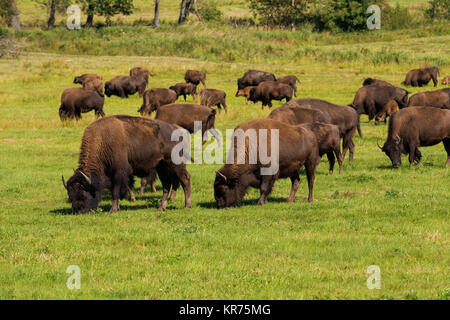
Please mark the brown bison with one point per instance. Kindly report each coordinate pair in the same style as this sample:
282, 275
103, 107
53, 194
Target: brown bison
446, 81
271, 90
254, 77
213, 97
123, 86
436, 99
156, 97
195, 77
421, 77
344, 117
297, 147
94, 84
113, 151
185, 89
87, 76
376, 82
387, 111
411, 128
140, 72
245, 93
371, 100
291, 81
185, 116
75, 101
294, 114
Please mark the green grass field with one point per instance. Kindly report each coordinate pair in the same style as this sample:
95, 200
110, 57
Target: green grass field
369, 215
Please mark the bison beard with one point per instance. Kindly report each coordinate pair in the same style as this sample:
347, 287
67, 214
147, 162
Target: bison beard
297, 147
117, 148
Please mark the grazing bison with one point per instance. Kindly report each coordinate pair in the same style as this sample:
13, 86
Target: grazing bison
370, 100
213, 97
75, 101
329, 140
195, 77
446, 81
436, 99
185, 89
140, 72
376, 82
113, 151
421, 77
387, 111
294, 115
87, 76
271, 90
123, 86
156, 97
412, 128
94, 84
185, 116
297, 147
291, 81
344, 117
254, 77
245, 93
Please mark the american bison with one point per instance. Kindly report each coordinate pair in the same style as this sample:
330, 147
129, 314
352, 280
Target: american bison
387, 111
156, 97
140, 72
436, 99
421, 77
344, 117
291, 81
185, 116
75, 101
245, 92
113, 151
87, 76
271, 90
94, 84
185, 89
294, 114
297, 147
195, 77
253, 78
213, 97
446, 81
370, 100
376, 82
123, 86
411, 128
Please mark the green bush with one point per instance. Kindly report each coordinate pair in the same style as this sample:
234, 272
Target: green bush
208, 10
397, 18
438, 9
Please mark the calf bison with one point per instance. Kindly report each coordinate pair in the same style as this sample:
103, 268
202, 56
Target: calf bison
185, 89
371, 100
291, 81
446, 81
87, 76
387, 111
213, 97
123, 86
185, 116
437, 99
195, 77
140, 72
156, 97
245, 93
75, 101
113, 151
344, 117
412, 128
271, 90
254, 77
297, 147
421, 77
376, 82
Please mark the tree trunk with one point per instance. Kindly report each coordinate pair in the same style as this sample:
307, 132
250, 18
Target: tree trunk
184, 10
51, 18
90, 17
14, 21
196, 11
156, 20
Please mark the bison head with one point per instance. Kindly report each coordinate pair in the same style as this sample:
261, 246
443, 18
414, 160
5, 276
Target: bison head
226, 192
83, 193
393, 148
402, 98
108, 89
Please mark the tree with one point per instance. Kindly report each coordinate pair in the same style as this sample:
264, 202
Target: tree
107, 8
51, 18
156, 20
10, 14
184, 10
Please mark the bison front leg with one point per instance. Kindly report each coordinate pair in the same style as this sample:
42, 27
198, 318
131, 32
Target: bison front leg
265, 188
311, 175
447, 148
331, 161
184, 178
295, 184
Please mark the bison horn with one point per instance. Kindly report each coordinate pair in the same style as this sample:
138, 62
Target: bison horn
381, 148
397, 139
222, 175
64, 182
86, 177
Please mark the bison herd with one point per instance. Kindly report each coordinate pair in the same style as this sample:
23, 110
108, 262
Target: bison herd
118, 148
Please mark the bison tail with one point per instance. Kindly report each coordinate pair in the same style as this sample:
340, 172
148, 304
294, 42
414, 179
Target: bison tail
358, 126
